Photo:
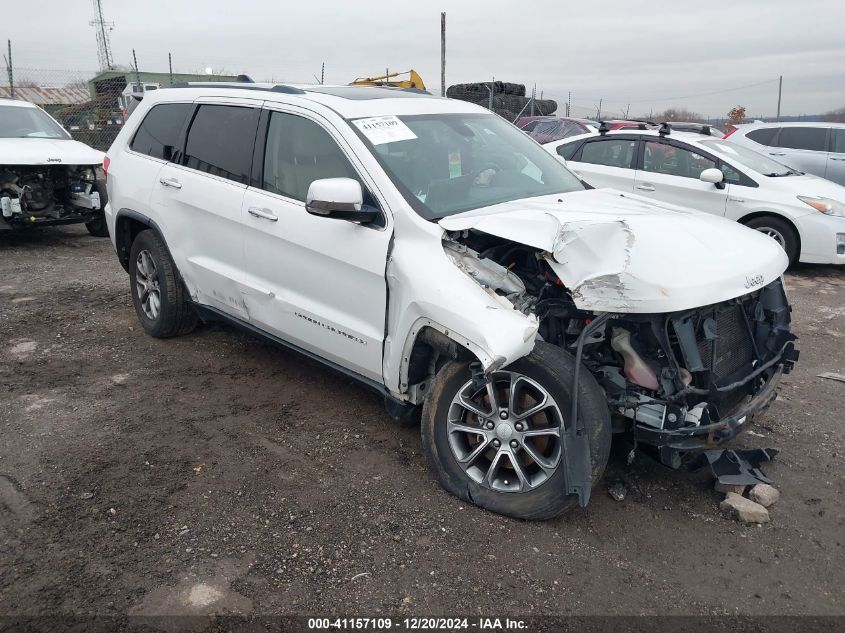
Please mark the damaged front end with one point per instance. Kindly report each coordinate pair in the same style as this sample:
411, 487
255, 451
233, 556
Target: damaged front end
676, 382
45, 195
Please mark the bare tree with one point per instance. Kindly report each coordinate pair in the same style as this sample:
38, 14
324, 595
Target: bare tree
676, 114
836, 116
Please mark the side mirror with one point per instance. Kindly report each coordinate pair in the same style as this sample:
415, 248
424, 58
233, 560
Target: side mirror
338, 198
713, 176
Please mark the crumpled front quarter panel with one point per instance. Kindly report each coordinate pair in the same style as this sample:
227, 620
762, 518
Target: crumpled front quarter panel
427, 289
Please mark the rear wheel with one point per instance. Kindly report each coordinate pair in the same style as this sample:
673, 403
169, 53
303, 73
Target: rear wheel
780, 231
499, 445
158, 295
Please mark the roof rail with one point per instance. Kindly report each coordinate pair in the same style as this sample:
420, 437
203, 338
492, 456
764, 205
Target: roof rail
604, 128
291, 90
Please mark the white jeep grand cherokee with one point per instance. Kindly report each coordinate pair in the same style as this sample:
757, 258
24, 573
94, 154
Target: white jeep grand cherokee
434, 252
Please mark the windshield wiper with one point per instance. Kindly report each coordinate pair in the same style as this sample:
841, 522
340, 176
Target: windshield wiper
779, 174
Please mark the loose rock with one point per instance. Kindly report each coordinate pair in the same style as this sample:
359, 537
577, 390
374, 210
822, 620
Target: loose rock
764, 494
744, 509
617, 491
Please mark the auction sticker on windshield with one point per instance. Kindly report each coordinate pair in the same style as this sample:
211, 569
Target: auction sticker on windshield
384, 129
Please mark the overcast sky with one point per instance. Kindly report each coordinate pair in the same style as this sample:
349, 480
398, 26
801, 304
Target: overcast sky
706, 56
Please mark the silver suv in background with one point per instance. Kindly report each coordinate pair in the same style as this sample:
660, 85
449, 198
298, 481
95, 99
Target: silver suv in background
817, 148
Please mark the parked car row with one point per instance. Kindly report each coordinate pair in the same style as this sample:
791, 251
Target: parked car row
805, 214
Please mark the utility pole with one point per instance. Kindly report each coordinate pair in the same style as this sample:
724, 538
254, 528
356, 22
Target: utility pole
9, 70
598, 115
533, 96
170, 66
323, 74
492, 85
780, 90
443, 54
137, 74
569, 103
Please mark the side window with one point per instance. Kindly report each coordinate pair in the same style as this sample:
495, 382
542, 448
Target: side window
838, 141
568, 150
661, 158
731, 175
764, 136
298, 152
812, 138
613, 152
221, 140
158, 134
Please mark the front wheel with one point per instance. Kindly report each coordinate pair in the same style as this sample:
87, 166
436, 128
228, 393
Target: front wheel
98, 227
498, 445
780, 231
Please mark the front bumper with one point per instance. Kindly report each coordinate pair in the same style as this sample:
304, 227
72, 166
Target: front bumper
20, 222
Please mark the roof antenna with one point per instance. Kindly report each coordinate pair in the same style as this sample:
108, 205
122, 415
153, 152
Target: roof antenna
604, 128
664, 130
244, 79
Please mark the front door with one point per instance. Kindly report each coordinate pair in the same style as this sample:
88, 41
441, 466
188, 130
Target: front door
836, 158
316, 282
803, 148
670, 173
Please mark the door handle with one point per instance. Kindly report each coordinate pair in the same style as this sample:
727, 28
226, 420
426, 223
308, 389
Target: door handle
777, 153
263, 213
645, 187
170, 182
834, 158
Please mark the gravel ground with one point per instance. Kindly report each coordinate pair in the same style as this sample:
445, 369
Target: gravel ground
218, 473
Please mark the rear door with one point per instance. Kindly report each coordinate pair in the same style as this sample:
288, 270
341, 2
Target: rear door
836, 158
802, 147
669, 171
316, 282
201, 193
606, 161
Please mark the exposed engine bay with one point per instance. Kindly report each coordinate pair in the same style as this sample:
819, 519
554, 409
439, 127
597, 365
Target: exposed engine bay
675, 382
48, 194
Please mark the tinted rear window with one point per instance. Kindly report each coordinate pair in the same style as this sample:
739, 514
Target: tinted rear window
567, 151
221, 140
764, 136
812, 138
158, 134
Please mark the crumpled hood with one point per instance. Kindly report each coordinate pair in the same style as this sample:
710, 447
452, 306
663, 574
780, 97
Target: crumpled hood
618, 252
47, 151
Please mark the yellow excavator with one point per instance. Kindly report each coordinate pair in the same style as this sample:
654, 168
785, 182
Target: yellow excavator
414, 80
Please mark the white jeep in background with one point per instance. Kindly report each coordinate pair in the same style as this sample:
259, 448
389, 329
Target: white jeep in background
46, 178
434, 252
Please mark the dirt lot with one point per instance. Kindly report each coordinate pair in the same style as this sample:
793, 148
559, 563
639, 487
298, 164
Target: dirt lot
218, 473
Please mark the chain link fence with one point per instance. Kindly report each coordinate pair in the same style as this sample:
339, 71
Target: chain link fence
91, 109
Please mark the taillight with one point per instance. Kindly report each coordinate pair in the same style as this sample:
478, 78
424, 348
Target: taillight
729, 133
106, 162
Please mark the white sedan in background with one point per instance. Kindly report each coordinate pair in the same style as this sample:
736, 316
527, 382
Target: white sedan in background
804, 213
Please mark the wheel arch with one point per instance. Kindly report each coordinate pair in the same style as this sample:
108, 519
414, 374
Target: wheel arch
775, 214
428, 346
127, 225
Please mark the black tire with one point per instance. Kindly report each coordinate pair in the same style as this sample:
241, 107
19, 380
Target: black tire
791, 243
175, 315
98, 227
552, 368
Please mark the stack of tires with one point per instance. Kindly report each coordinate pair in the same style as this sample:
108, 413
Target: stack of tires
508, 98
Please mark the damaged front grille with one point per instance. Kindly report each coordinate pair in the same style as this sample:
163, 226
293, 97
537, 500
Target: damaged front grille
724, 342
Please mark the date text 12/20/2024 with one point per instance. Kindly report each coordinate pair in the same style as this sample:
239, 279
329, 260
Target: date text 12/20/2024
416, 624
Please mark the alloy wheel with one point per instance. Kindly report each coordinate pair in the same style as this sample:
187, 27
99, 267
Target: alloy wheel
505, 435
147, 285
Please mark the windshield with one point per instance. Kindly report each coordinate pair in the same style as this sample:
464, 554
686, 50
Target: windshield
449, 163
17, 122
749, 158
